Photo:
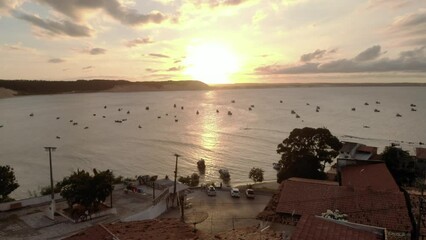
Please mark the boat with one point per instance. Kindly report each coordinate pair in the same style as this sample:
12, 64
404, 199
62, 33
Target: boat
376, 110
139, 126
413, 109
94, 114
147, 108
277, 166
174, 105
252, 106
217, 110
86, 127
105, 107
57, 118
293, 112
377, 102
118, 121
398, 115
32, 114
1, 126
297, 116
281, 101
307, 104
57, 137
413, 105
365, 126
233, 101
181, 107
224, 174
159, 117
353, 109
75, 124
176, 120
229, 113
249, 108
317, 110
366, 104
103, 117
128, 112
201, 165
197, 112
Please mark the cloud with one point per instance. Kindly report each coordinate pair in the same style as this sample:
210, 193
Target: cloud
158, 55
87, 68
408, 61
311, 56
55, 28
139, 41
6, 5
56, 60
17, 47
175, 69
368, 54
76, 9
97, 51
217, 3
410, 28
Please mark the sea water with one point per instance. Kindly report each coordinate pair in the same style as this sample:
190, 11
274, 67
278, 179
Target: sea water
145, 141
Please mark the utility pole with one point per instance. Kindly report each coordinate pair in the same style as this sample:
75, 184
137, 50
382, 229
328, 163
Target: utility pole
174, 186
51, 213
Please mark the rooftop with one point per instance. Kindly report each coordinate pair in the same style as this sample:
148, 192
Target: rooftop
421, 153
313, 227
369, 176
382, 209
169, 228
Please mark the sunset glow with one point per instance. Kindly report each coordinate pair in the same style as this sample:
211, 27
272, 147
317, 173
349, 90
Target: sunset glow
211, 63
214, 41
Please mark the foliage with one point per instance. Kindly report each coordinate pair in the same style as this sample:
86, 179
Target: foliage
46, 190
7, 183
191, 181
82, 188
400, 164
256, 174
306, 152
336, 215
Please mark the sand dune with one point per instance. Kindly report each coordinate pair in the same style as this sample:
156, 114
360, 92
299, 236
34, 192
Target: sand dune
6, 93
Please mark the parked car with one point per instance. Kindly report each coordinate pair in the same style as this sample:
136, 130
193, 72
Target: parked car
211, 191
235, 192
249, 193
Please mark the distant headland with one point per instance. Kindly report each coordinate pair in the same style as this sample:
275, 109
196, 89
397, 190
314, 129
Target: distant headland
10, 88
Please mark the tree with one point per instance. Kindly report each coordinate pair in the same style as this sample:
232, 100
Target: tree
7, 183
191, 181
256, 174
306, 152
400, 165
89, 191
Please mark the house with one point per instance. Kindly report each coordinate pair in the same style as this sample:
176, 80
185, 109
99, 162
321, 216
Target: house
368, 176
356, 153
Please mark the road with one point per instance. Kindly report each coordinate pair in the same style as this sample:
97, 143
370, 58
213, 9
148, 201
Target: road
225, 212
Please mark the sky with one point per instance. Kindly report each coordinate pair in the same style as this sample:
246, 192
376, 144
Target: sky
215, 41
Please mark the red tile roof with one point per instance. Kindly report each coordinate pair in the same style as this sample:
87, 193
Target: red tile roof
421, 153
168, 228
373, 176
312, 227
382, 209
367, 149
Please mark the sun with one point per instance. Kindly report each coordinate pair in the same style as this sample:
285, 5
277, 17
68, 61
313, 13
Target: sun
212, 63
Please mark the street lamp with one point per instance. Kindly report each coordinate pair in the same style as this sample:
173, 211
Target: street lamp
174, 186
51, 213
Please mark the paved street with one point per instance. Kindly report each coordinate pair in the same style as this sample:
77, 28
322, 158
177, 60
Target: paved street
225, 212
